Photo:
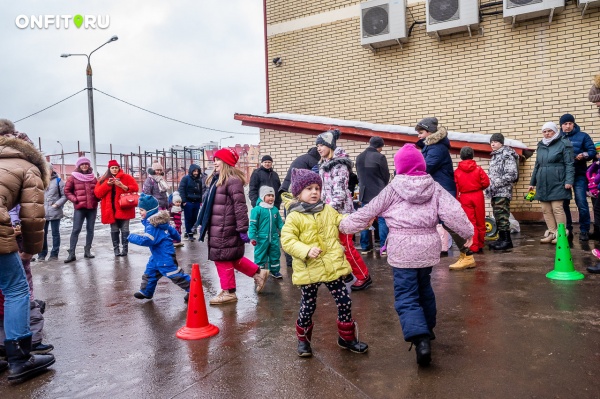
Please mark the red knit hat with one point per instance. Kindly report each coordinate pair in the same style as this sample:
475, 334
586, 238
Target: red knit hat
113, 162
227, 155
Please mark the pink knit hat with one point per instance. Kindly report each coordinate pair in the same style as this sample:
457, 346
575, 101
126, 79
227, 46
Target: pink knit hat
81, 161
409, 161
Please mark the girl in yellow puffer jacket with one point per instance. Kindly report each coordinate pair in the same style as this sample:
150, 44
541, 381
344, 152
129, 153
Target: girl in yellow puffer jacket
310, 236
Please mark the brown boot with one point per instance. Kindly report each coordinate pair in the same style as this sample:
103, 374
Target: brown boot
464, 262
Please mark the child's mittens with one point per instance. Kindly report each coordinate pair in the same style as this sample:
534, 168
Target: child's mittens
253, 242
244, 237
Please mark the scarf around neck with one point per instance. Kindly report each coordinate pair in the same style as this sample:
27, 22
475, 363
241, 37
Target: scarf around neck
304, 207
263, 204
162, 183
85, 177
551, 139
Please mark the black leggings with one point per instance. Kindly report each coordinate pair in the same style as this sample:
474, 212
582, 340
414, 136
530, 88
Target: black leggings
79, 216
308, 303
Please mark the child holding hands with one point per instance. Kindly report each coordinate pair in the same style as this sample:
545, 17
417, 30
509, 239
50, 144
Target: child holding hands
412, 205
310, 235
159, 236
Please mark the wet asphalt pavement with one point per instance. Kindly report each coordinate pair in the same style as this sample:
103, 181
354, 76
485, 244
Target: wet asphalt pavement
504, 331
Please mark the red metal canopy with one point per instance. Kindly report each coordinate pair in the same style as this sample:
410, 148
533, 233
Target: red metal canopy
481, 150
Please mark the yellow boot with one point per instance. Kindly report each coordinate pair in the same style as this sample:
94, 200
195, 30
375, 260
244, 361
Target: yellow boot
464, 262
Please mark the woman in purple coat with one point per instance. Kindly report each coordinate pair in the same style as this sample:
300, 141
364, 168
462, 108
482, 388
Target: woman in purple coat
224, 216
80, 191
412, 205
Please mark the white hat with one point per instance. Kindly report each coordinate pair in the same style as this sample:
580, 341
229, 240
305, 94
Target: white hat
265, 190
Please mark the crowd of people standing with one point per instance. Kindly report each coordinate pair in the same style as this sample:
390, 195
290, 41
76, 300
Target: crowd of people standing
321, 218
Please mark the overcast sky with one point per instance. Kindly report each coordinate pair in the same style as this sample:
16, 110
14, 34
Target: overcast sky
197, 61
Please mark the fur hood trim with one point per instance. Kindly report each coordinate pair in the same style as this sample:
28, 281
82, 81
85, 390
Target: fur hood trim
597, 81
17, 148
162, 217
436, 137
339, 158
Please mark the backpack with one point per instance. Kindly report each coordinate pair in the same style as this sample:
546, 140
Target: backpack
58, 186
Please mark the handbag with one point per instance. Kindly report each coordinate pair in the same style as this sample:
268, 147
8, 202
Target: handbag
129, 200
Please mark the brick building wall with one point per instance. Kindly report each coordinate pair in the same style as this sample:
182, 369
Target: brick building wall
508, 80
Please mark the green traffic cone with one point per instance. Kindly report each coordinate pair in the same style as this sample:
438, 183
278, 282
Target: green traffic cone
563, 263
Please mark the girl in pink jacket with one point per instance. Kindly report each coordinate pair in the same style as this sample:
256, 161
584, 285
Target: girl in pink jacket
412, 205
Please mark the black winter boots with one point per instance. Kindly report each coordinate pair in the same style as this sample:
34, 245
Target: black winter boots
422, 345
87, 253
125, 243
503, 243
348, 338
304, 336
22, 364
115, 241
71, 257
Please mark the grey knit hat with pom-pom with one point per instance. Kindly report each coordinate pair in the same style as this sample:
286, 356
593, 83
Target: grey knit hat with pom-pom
328, 138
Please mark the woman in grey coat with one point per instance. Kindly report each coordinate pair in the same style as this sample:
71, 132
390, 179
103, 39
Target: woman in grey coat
54, 200
552, 178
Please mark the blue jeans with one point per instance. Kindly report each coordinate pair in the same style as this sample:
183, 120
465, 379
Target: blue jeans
190, 214
13, 284
579, 189
365, 235
414, 301
55, 227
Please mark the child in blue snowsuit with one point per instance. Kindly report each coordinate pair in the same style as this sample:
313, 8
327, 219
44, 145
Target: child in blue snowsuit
264, 231
159, 236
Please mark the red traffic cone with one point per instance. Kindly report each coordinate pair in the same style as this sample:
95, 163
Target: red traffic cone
196, 325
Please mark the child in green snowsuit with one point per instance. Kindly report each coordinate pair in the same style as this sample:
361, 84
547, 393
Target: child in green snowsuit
264, 232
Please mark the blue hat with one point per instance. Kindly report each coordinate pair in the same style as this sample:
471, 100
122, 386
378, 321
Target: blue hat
566, 118
149, 204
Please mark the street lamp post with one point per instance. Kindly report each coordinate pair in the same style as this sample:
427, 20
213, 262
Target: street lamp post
221, 139
90, 90
62, 159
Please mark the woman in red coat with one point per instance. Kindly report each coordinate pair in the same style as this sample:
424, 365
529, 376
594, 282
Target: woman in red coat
80, 191
109, 189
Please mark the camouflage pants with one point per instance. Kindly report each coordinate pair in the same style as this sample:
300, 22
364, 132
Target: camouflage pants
501, 208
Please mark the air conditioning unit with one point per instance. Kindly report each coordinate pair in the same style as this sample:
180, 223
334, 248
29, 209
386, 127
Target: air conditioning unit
445, 17
522, 10
587, 4
382, 23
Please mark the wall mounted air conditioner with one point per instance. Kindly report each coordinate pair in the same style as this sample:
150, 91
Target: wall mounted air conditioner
521, 10
382, 23
587, 4
445, 17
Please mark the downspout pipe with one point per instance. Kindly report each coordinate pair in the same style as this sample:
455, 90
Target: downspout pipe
266, 56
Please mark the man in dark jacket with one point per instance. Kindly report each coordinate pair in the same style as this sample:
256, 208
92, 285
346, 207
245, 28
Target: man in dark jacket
584, 150
435, 148
373, 176
264, 176
304, 161
191, 189
435, 145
